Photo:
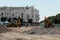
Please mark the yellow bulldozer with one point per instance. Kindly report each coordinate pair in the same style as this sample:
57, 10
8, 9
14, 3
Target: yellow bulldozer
18, 22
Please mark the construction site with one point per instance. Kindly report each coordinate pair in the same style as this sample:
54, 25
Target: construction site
15, 31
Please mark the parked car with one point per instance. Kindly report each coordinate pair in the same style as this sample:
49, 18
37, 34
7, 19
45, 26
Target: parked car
4, 23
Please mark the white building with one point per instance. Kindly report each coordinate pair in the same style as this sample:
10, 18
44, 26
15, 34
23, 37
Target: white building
23, 12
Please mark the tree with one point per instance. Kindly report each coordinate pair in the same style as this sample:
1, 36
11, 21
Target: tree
9, 20
58, 18
30, 21
55, 19
14, 18
3, 18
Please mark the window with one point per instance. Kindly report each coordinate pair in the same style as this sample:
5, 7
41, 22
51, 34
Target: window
36, 19
27, 15
21, 14
16, 16
10, 16
15, 12
2, 13
5, 12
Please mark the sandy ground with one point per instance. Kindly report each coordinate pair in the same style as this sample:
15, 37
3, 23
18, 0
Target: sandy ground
25, 33
17, 36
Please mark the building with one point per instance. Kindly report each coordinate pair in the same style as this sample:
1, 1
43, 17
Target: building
23, 12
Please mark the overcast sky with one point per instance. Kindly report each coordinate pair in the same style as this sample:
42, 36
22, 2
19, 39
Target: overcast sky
45, 7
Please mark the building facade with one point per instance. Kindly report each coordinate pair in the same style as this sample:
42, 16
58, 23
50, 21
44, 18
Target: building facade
23, 12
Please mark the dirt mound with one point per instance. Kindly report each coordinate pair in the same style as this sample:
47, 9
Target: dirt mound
43, 31
11, 25
4, 29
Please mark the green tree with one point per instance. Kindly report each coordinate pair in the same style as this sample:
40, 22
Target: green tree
3, 18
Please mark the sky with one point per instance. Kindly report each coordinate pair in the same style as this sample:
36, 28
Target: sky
46, 7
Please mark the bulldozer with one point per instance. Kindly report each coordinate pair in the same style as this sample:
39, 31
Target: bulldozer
48, 23
18, 22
